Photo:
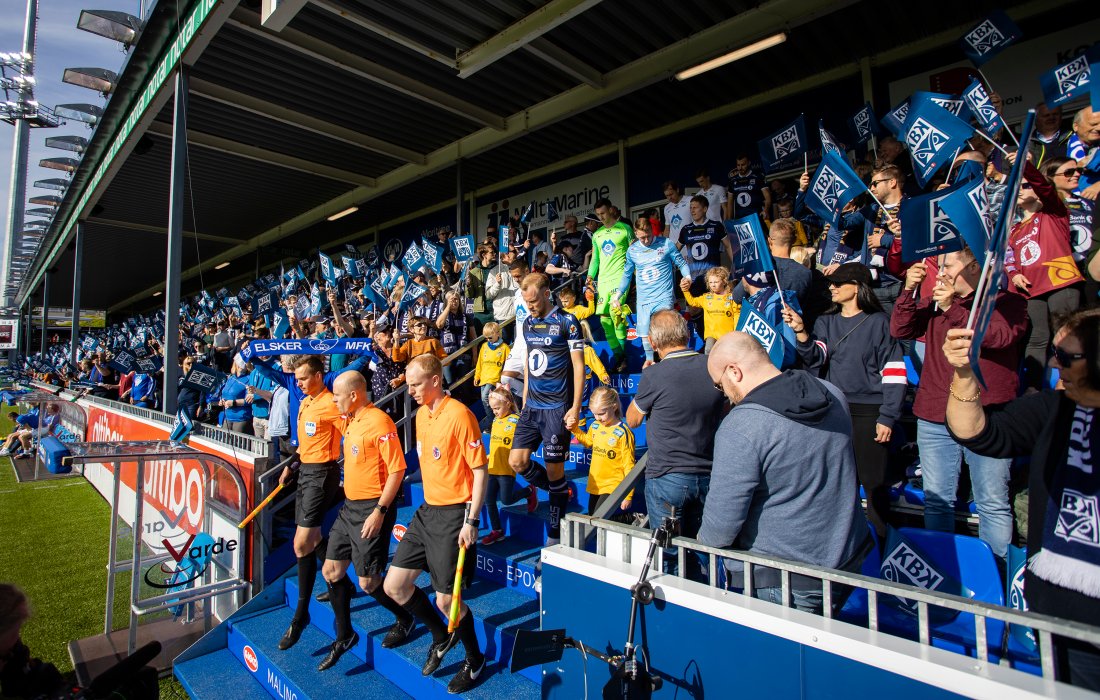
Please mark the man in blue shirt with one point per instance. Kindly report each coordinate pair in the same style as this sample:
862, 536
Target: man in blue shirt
651, 259
552, 392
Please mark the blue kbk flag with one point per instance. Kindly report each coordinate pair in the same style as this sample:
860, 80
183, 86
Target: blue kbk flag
967, 206
361, 268
863, 125
349, 266
395, 274
828, 141
985, 114
413, 291
784, 146
993, 262
316, 301
184, 426
928, 229
551, 211
280, 324
747, 237
933, 136
149, 365
377, 292
504, 243
265, 303
833, 185
328, 270
753, 323
1066, 82
413, 260
122, 362
953, 104
992, 35
462, 247
204, 379
894, 120
433, 257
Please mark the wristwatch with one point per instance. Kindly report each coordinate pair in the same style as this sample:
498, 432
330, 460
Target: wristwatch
382, 509
476, 522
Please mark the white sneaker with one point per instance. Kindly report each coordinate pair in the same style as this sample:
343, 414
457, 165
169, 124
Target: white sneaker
5, 452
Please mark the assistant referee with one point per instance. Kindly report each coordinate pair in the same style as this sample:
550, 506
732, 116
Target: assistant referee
452, 466
319, 423
374, 466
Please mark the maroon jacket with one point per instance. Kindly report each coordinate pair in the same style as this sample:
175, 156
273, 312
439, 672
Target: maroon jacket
1000, 358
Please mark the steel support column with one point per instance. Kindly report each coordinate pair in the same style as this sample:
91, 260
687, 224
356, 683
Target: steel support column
458, 197
175, 241
45, 309
78, 260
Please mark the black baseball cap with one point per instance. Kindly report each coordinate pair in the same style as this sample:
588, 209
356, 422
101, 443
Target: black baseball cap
850, 272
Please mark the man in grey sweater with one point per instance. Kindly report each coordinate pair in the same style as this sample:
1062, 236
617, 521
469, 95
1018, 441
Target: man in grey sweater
783, 482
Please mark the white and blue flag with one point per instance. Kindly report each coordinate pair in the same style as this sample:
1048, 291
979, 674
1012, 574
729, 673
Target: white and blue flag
933, 136
991, 36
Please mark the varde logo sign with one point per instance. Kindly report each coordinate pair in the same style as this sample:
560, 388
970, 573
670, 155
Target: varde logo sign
250, 659
192, 560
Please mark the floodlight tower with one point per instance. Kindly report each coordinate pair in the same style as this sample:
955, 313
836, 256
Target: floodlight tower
22, 111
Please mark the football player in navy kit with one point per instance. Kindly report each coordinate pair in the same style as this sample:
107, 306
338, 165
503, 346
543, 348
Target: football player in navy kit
552, 394
747, 191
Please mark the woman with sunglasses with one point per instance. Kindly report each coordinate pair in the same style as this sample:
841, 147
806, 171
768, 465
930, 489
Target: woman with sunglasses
1041, 267
851, 347
1060, 430
1066, 176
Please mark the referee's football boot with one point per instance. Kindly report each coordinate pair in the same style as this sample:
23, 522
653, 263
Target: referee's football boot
467, 676
398, 634
293, 633
437, 651
337, 650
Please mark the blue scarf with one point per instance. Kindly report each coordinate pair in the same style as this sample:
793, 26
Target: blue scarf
1070, 556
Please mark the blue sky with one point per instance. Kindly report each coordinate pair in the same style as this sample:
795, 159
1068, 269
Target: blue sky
60, 45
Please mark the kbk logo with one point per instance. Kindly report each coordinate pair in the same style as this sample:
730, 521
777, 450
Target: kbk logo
1073, 75
785, 143
758, 328
985, 37
250, 659
829, 188
903, 565
862, 123
924, 141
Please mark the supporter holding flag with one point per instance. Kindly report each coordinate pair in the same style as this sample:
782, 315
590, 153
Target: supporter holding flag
1060, 432
328, 270
929, 230
832, 186
985, 113
1041, 267
948, 307
852, 349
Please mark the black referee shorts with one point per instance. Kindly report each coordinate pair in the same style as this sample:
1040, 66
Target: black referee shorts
318, 490
345, 543
431, 544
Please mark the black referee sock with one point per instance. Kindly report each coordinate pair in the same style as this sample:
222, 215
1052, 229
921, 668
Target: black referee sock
341, 593
307, 576
420, 607
392, 605
559, 501
468, 636
536, 476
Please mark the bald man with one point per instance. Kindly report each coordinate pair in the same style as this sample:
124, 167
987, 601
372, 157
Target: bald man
374, 465
783, 481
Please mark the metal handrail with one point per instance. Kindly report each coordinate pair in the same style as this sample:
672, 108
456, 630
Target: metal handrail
1046, 625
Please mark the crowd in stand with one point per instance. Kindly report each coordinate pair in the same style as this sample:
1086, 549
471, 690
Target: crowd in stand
780, 473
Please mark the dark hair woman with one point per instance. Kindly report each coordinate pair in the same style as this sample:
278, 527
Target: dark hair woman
851, 347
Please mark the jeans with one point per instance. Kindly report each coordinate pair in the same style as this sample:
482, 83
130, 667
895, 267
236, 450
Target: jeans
940, 460
806, 600
686, 493
486, 389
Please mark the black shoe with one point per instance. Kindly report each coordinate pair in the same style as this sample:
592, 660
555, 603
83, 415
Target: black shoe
338, 649
467, 676
293, 633
437, 651
398, 634
323, 596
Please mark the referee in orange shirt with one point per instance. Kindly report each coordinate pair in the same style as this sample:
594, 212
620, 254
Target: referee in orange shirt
319, 424
452, 467
374, 466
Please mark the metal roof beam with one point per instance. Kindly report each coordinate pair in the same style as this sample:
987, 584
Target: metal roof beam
384, 31
368, 70
263, 155
520, 33
306, 122
113, 223
564, 61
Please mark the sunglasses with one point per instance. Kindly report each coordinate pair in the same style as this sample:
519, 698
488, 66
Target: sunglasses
1065, 359
875, 182
1025, 186
1071, 172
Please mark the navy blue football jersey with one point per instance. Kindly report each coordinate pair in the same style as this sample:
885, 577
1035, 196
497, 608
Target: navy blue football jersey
702, 245
550, 339
745, 191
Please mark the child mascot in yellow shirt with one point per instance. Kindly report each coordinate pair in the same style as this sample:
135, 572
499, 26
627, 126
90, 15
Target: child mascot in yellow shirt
720, 311
502, 480
612, 445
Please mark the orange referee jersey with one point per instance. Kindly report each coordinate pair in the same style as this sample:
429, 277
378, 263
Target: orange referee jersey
371, 453
319, 424
449, 444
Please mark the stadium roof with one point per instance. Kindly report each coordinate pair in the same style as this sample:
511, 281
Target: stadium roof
355, 103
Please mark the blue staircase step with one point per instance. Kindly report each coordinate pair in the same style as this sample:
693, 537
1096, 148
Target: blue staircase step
529, 527
498, 614
510, 563
293, 674
219, 676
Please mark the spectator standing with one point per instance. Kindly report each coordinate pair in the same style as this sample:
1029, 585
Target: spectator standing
940, 456
682, 412
234, 399
852, 349
784, 477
